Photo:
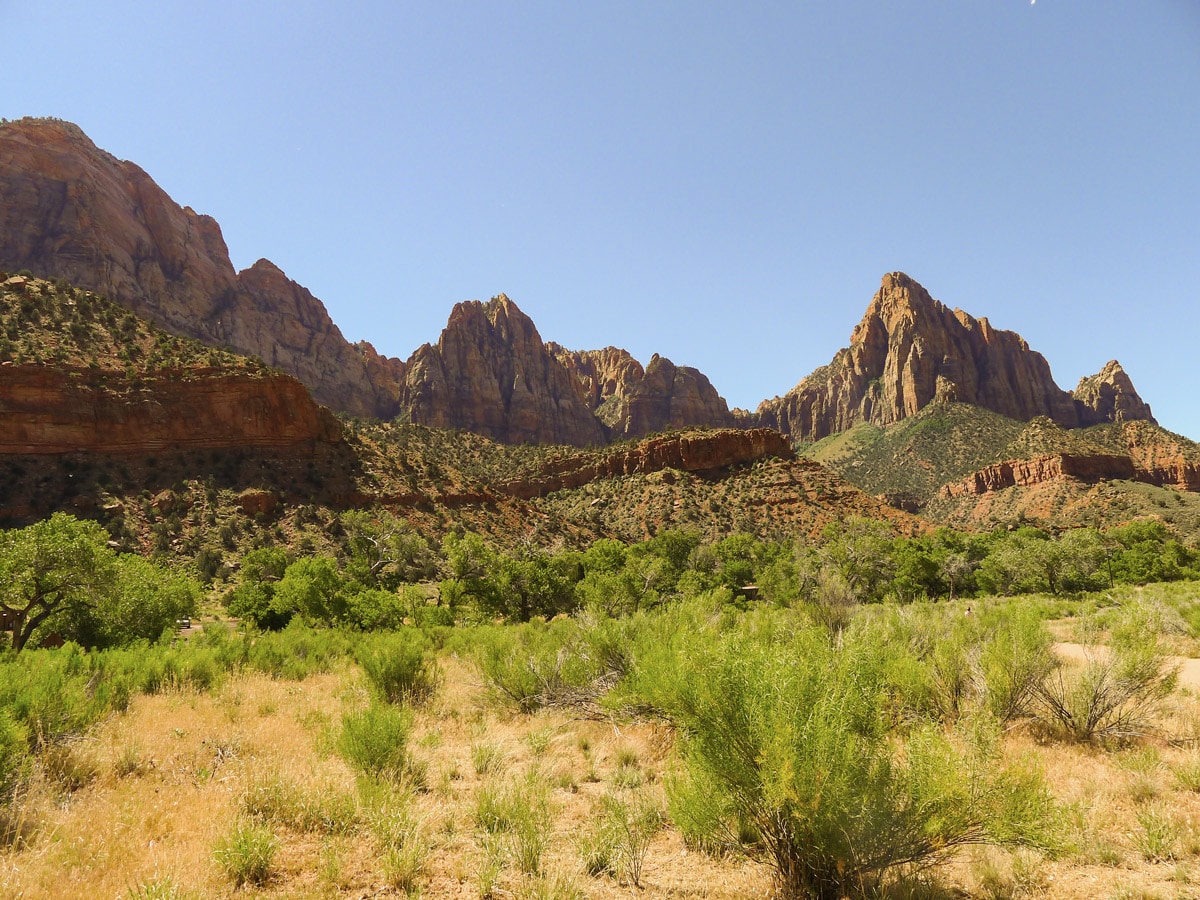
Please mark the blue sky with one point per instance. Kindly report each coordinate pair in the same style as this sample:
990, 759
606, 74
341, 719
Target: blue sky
720, 183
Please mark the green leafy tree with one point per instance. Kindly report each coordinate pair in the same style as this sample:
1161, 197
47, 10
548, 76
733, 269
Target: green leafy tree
56, 570
315, 589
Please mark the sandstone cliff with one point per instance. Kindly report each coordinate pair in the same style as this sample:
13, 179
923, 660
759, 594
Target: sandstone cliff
1109, 396
909, 349
706, 452
633, 402
71, 210
53, 410
491, 373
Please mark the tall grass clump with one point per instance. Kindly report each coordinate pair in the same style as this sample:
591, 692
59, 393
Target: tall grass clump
789, 751
1118, 691
246, 853
400, 665
375, 740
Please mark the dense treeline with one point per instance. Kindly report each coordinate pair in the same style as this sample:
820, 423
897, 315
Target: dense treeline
384, 576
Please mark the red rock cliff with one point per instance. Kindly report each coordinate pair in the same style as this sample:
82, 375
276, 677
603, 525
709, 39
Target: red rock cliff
71, 210
491, 373
67, 410
633, 402
702, 452
910, 349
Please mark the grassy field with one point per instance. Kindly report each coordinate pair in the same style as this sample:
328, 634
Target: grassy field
249, 788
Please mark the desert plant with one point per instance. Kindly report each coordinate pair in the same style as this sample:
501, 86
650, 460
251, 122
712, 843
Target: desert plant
400, 666
788, 749
163, 888
631, 824
246, 853
375, 740
1158, 839
1117, 692
486, 757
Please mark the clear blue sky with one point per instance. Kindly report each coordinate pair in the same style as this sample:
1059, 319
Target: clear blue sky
721, 183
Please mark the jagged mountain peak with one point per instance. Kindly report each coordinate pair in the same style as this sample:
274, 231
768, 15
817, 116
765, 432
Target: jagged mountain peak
910, 349
1109, 396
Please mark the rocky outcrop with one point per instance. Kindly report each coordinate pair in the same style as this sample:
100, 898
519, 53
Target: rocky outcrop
73, 211
46, 410
908, 350
1109, 396
1137, 451
1028, 472
707, 452
491, 373
633, 402
1161, 457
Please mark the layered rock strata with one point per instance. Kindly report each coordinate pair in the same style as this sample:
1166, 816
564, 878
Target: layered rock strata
68, 410
707, 452
73, 211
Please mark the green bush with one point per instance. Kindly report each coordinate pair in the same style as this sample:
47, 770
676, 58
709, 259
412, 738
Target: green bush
1118, 691
789, 750
14, 756
247, 853
537, 664
400, 666
375, 741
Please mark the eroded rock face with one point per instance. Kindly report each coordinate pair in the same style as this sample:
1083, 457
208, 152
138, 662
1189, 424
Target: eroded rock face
633, 402
910, 349
1028, 472
46, 410
1109, 396
491, 373
701, 452
71, 210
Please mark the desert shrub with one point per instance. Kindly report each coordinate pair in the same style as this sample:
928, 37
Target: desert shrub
621, 836
788, 749
400, 666
519, 811
375, 740
537, 664
1118, 690
14, 756
1014, 662
246, 853
298, 651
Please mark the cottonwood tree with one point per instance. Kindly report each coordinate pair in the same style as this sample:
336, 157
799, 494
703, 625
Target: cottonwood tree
58, 566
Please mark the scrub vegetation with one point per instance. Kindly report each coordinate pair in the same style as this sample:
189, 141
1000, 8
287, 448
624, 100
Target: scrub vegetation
864, 715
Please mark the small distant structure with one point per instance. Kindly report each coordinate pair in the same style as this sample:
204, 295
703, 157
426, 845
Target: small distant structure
749, 591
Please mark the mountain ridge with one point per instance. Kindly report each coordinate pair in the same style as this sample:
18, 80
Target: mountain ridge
75, 211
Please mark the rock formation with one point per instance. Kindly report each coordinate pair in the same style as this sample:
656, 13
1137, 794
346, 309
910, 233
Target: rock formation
910, 349
52, 410
1109, 396
705, 452
71, 210
491, 373
633, 402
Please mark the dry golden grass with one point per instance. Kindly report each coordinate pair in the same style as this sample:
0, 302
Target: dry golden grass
171, 776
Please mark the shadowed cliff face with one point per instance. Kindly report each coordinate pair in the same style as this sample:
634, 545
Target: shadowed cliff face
633, 402
491, 373
45, 410
909, 350
71, 210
